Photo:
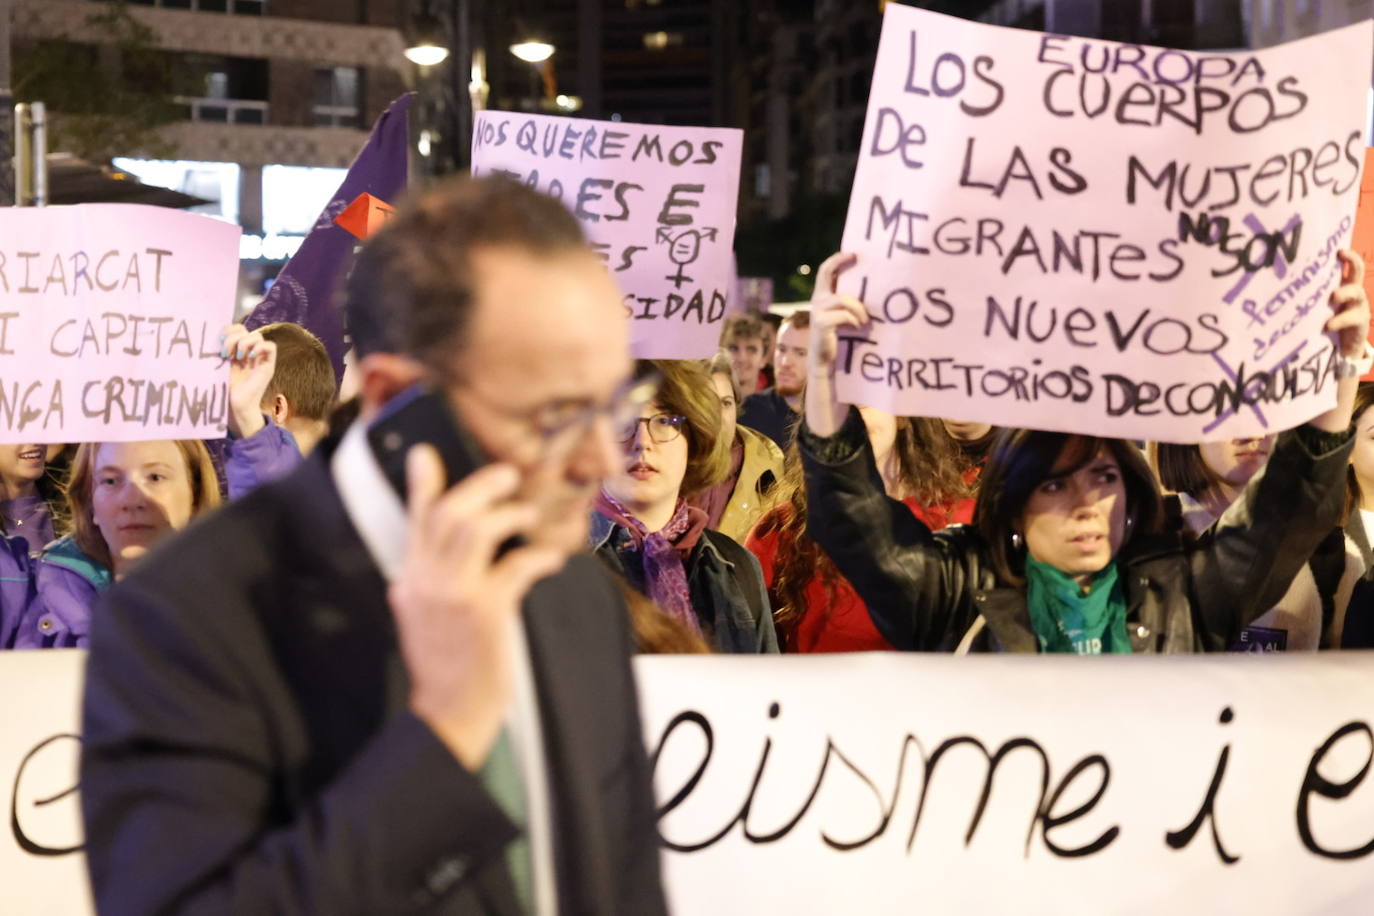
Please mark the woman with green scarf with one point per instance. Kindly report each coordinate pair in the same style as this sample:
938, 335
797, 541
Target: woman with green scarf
1067, 552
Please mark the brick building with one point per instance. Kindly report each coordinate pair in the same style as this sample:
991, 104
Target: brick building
280, 91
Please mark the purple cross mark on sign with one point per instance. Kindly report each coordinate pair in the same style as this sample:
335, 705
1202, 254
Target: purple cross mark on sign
1280, 265
1225, 367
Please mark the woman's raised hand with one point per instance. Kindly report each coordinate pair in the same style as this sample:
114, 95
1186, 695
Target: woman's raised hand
830, 311
1350, 324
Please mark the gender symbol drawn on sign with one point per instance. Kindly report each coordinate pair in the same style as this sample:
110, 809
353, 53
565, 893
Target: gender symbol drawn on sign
683, 249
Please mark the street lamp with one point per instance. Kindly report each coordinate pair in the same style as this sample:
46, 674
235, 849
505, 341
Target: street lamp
428, 45
532, 51
426, 55
535, 52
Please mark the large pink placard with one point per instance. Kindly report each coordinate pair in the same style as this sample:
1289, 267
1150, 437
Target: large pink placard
110, 317
656, 202
1093, 237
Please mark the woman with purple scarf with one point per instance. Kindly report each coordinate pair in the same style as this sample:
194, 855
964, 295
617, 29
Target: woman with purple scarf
645, 531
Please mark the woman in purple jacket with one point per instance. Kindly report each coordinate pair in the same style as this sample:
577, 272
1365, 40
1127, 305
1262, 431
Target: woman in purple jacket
30, 496
124, 497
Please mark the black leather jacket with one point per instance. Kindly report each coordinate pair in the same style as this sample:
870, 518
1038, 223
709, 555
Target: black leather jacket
927, 591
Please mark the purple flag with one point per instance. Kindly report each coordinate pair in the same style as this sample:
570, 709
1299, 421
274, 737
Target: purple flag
304, 291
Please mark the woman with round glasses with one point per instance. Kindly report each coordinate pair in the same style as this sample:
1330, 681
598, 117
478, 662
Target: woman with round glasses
646, 532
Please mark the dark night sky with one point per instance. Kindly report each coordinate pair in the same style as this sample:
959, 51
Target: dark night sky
966, 8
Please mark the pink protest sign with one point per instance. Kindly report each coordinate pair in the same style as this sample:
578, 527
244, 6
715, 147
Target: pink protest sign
657, 203
1086, 236
110, 317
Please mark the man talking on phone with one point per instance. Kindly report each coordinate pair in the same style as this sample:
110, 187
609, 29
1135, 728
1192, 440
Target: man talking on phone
374, 690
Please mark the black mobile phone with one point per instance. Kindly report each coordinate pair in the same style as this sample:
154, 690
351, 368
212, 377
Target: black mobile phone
421, 415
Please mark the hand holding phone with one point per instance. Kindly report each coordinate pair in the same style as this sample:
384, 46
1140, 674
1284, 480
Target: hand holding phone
457, 596
466, 570
419, 415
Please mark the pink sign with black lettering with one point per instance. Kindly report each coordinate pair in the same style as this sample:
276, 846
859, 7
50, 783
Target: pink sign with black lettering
657, 203
110, 317
1094, 237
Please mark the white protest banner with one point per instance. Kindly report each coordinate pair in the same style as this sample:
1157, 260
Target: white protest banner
656, 202
921, 783
42, 870
110, 317
1079, 235
892, 783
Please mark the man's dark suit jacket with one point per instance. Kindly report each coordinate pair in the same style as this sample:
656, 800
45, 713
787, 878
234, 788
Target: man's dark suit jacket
248, 748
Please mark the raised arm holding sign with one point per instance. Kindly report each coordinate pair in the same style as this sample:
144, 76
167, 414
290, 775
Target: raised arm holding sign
1068, 552
1093, 237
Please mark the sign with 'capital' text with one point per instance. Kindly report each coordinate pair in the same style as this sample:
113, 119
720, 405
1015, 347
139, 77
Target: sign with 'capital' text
110, 316
1080, 235
657, 203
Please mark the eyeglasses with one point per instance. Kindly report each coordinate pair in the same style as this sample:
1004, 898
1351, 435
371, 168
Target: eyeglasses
662, 427
562, 426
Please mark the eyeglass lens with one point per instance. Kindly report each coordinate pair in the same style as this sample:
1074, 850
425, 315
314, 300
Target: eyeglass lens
662, 428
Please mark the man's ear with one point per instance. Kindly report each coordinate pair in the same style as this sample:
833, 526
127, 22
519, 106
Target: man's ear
278, 408
384, 376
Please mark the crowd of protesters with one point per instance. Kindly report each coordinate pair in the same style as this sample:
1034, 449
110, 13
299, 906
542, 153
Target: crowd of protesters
752, 512
877, 532
316, 651
78, 518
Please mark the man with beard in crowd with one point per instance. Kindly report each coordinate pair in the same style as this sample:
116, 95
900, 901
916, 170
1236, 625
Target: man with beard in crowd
774, 411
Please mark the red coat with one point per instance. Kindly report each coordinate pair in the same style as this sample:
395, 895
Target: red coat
842, 625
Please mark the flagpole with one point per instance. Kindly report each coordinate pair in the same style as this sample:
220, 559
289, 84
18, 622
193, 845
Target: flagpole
7, 195
459, 75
